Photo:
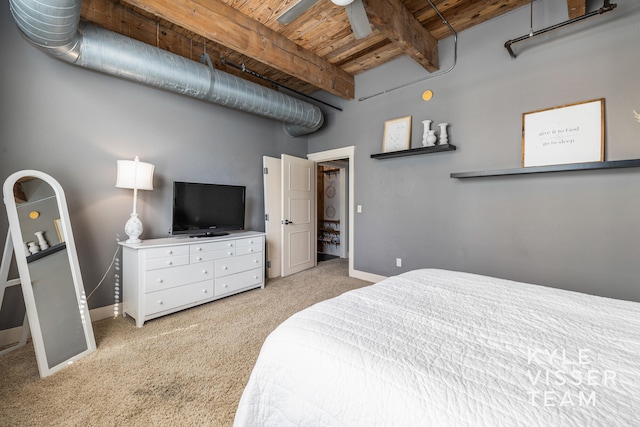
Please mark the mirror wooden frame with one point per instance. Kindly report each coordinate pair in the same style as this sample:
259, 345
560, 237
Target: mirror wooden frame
47, 367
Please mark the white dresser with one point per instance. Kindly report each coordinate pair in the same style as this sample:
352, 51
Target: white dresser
162, 276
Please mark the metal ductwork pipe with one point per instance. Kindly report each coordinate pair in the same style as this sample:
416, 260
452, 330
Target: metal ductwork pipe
53, 26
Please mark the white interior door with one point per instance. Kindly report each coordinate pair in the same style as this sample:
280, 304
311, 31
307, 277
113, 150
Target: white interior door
272, 210
298, 214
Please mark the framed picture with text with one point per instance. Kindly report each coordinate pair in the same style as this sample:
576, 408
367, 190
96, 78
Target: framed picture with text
397, 134
571, 133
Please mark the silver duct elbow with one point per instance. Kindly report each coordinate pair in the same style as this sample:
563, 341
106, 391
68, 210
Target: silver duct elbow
52, 26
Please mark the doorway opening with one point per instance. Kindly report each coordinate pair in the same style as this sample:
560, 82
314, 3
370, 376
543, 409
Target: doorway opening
331, 206
345, 157
291, 223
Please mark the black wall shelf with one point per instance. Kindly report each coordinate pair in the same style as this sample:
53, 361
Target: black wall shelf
414, 151
43, 253
614, 164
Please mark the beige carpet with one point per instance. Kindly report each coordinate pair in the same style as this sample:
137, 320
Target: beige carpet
185, 369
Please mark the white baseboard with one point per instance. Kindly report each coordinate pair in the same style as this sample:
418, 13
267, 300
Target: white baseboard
104, 312
13, 335
369, 277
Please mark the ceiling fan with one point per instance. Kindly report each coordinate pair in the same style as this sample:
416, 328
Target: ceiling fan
355, 12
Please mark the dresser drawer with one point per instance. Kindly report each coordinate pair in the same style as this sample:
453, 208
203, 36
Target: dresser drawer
237, 264
250, 249
170, 299
212, 246
172, 261
212, 255
164, 278
230, 284
249, 241
166, 251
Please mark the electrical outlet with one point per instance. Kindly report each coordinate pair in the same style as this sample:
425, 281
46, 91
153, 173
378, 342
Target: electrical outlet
398, 262
359, 209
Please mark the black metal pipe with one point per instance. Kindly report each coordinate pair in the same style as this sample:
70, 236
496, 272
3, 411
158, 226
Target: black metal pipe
265, 78
606, 7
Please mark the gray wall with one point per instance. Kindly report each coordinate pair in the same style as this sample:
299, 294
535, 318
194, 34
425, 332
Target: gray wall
74, 124
573, 230
578, 230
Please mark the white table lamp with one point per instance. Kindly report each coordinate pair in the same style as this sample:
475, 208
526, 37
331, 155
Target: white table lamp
136, 175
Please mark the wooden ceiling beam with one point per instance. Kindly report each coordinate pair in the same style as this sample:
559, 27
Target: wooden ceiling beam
464, 14
576, 8
225, 25
372, 58
395, 21
138, 26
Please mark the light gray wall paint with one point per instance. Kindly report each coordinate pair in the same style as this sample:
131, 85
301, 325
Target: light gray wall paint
573, 230
74, 124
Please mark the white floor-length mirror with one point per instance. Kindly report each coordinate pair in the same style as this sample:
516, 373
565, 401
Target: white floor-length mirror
47, 262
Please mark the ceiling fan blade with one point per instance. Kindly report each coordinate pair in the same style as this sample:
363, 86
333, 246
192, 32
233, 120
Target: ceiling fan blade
289, 15
358, 18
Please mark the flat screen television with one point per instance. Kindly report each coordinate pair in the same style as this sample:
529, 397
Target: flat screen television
205, 210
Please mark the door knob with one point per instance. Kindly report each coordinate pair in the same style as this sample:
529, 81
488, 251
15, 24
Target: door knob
287, 222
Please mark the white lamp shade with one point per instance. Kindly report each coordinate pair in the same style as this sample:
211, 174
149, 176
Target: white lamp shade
342, 2
135, 174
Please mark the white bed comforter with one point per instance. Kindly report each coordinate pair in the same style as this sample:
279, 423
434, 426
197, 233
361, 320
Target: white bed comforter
440, 348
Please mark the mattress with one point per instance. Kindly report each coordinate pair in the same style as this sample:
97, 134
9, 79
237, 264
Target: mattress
442, 348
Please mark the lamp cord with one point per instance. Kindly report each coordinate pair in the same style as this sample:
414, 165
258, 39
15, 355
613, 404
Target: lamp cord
105, 273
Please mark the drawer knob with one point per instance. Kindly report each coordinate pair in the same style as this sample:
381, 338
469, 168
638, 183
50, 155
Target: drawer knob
169, 252
250, 250
230, 253
160, 280
224, 286
205, 272
160, 302
199, 258
230, 245
225, 268
256, 261
169, 262
198, 248
204, 291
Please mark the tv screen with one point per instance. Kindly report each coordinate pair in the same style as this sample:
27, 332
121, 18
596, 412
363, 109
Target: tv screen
207, 209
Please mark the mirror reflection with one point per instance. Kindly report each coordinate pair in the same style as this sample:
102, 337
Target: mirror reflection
55, 300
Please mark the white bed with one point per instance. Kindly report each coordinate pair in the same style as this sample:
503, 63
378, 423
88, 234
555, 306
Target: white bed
441, 348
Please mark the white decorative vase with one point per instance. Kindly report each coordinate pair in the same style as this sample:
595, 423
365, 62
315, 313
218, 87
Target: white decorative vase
425, 134
431, 138
133, 228
444, 138
41, 240
33, 247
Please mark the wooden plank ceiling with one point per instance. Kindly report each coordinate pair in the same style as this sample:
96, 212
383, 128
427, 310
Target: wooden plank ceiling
317, 51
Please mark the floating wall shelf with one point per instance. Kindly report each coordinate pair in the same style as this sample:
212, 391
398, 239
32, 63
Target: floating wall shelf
414, 151
43, 253
615, 164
